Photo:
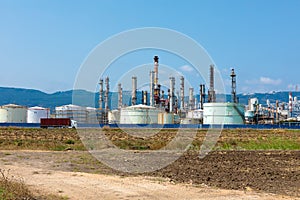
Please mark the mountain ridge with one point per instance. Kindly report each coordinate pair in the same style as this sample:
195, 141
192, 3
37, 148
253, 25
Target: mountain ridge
33, 97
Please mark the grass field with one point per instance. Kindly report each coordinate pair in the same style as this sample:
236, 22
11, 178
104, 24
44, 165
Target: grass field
68, 139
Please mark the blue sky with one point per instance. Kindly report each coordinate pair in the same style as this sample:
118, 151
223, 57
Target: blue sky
43, 43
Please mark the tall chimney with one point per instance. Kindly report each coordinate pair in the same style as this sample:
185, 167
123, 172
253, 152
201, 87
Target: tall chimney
120, 96
101, 94
202, 95
277, 114
171, 100
290, 104
151, 88
191, 98
145, 97
233, 87
156, 71
134, 88
106, 93
211, 91
182, 93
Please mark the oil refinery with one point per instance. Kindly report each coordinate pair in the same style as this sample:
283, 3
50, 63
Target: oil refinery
155, 107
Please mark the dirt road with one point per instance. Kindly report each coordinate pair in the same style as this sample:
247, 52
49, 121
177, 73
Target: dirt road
46, 172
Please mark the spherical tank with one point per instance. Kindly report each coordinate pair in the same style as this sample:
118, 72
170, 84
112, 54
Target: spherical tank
12, 113
34, 114
223, 113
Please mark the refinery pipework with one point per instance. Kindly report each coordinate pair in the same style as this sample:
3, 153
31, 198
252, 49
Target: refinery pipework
101, 94
120, 96
151, 88
211, 91
171, 97
182, 93
106, 94
233, 86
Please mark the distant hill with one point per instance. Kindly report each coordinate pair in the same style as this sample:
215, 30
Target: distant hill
29, 97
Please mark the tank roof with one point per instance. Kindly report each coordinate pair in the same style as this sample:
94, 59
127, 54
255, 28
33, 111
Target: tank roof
12, 106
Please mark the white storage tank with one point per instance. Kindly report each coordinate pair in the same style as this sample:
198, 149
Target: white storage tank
75, 112
34, 114
91, 115
12, 113
165, 118
139, 114
223, 113
195, 114
114, 117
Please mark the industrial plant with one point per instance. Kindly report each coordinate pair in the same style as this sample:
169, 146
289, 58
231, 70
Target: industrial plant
156, 106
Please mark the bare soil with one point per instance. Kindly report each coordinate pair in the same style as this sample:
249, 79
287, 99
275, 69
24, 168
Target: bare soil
238, 174
244, 175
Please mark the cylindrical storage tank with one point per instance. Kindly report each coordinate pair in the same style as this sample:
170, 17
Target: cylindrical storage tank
91, 115
223, 113
165, 118
139, 114
12, 113
195, 114
114, 117
75, 112
34, 114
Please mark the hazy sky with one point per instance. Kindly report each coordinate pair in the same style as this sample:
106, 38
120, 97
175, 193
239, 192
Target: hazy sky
43, 43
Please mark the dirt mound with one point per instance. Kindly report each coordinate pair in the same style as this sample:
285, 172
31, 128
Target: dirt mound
269, 171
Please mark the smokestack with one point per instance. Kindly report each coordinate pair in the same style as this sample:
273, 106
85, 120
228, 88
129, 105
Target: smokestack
233, 87
134, 88
145, 98
101, 94
151, 88
171, 99
277, 114
211, 91
120, 96
290, 104
156, 71
106, 93
202, 95
182, 93
191, 98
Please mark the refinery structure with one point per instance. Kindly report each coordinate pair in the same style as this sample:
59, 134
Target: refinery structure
155, 106
158, 107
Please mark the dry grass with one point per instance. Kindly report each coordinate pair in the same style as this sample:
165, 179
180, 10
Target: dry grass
68, 139
13, 188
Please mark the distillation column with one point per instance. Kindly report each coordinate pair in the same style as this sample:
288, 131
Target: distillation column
182, 93
151, 88
120, 96
211, 91
233, 87
171, 100
134, 88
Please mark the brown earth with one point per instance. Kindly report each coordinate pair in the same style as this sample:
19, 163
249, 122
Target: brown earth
276, 172
249, 172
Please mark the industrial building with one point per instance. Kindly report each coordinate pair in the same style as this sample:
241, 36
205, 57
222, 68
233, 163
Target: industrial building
34, 114
159, 107
171, 109
12, 113
80, 114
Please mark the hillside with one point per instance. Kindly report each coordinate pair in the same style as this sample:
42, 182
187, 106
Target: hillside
30, 97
